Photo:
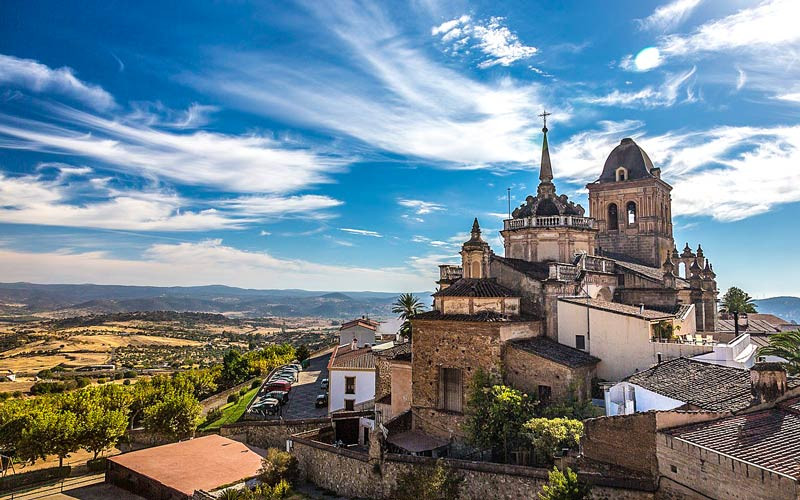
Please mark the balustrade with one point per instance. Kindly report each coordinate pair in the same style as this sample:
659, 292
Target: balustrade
549, 221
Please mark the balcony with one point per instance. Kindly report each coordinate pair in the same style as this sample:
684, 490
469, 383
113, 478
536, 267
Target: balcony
550, 221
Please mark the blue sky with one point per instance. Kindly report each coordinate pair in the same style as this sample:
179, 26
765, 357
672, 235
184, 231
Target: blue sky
348, 145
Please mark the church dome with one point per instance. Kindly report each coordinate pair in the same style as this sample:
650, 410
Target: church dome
629, 155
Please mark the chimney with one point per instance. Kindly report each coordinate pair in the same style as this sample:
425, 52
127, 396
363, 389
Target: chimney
354, 346
641, 308
767, 382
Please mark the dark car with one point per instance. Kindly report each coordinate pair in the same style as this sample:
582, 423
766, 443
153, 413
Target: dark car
324, 384
281, 396
322, 400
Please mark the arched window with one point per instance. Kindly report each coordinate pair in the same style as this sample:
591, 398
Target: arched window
631, 209
622, 174
613, 217
476, 270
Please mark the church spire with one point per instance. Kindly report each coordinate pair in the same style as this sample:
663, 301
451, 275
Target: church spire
546, 170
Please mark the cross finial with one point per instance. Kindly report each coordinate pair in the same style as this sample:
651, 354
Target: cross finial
544, 116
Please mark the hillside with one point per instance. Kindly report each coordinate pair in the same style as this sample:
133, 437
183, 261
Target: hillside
20, 299
784, 307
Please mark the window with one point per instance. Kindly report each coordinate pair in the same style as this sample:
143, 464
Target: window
580, 342
450, 390
631, 208
622, 174
673, 469
349, 385
613, 218
544, 393
349, 404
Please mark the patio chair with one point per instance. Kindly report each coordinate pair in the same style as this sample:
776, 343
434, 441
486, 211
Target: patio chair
689, 338
709, 339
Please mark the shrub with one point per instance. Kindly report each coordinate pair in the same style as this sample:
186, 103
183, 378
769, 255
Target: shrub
281, 490
278, 465
17, 394
255, 384
118, 376
233, 398
550, 436
427, 483
213, 414
564, 486
243, 391
126, 382
4, 395
129, 374
101, 381
83, 382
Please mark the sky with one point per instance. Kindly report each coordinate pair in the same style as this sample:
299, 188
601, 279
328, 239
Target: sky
346, 145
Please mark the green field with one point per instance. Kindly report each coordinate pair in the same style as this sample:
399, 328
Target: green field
232, 412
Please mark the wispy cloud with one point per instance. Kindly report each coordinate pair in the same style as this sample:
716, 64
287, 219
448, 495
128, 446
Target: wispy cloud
39, 78
499, 44
669, 16
666, 94
361, 232
421, 207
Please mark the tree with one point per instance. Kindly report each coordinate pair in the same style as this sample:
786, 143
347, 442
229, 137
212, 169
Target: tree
736, 301
551, 435
407, 306
496, 416
177, 414
563, 486
427, 483
302, 353
234, 367
276, 466
784, 345
101, 428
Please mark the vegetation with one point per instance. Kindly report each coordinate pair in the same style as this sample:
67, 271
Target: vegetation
407, 306
665, 330
302, 353
784, 345
276, 466
736, 301
177, 415
231, 412
551, 435
427, 483
564, 486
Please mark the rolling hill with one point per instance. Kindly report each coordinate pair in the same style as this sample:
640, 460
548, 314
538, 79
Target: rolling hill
784, 307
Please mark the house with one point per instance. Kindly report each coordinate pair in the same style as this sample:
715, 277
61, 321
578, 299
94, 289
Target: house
686, 384
351, 374
362, 330
392, 381
7, 376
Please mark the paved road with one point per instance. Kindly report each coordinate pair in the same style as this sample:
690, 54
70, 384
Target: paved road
303, 395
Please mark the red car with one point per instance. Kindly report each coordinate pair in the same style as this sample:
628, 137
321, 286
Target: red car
279, 385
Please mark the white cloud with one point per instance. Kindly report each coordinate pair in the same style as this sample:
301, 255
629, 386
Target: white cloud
310, 206
499, 44
741, 79
791, 97
203, 263
421, 207
361, 232
264, 233
669, 16
666, 94
39, 78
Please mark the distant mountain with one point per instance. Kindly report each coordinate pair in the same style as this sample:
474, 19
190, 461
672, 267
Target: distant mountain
68, 300
787, 308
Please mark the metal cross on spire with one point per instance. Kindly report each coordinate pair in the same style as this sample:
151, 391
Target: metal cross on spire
544, 116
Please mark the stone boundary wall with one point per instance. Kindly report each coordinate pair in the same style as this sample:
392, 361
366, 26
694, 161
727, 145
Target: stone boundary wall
350, 473
274, 433
221, 398
22, 479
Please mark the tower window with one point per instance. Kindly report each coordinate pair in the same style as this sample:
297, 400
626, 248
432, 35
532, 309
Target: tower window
622, 174
631, 209
613, 218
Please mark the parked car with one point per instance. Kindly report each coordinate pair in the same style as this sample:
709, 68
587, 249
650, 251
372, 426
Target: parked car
296, 366
285, 378
322, 400
281, 396
266, 407
279, 385
324, 384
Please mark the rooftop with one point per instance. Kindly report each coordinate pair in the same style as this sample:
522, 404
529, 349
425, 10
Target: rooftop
705, 385
476, 287
769, 438
651, 273
204, 463
535, 270
615, 307
345, 357
483, 316
747, 326
559, 353
365, 322
398, 351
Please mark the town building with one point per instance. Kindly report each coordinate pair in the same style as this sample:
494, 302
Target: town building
7, 376
392, 381
362, 329
351, 377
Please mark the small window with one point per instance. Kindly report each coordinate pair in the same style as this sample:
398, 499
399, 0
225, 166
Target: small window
622, 174
613, 217
544, 393
580, 342
349, 404
450, 389
349, 385
674, 469
631, 209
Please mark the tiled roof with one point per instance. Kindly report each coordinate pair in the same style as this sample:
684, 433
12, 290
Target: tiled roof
393, 352
365, 322
618, 308
747, 326
536, 270
476, 287
346, 357
705, 385
768, 438
652, 273
489, 316
769, 318
559, 353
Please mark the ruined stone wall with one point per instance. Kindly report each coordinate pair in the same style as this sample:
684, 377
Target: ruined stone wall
526, 371
383, 377
269, 434
663, 297
626, 441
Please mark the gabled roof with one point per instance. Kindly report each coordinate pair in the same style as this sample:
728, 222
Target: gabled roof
483, 316
345, 357
394, 352
705, 385
651, 273
476, 287
365, 322
536, 270
617, 308
768, 438
558, 353
747, 326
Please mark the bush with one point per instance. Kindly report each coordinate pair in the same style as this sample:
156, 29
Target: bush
427, 483
243, 391
129, 374
83, 382
4, 395
255, 384
101, 381
563, 486
126, 382
213, 415
233, 398
17, 394
550, 436
118, 376
281, 490
278, 465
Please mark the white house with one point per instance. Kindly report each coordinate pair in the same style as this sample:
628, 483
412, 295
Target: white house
7, 376
362, 330
351, 374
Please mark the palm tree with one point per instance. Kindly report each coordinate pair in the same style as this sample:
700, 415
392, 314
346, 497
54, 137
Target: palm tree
736, 302
784, 345
407, 306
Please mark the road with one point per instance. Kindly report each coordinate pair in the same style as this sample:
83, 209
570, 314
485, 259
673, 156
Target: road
303, 395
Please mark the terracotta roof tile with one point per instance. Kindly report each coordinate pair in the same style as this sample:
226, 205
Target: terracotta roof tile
559, 353
345, 357
476, 287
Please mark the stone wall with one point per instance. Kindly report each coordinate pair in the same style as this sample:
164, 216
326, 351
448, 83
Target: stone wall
526, 371
141, 485
274, 433
351, 474
221, 398
383, 377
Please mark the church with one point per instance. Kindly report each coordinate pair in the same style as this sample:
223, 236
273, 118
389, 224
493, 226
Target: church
575, 297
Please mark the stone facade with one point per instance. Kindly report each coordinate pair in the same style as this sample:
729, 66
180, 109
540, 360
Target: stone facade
526, 371
540, 244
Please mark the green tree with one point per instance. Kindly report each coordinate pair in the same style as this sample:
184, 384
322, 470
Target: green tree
427, 483
177, 414
550, 435
784, 345
302, 353
496, 415
276, 466
564, 486
407, 306
235, 368
203, 382
736, 301
101, 429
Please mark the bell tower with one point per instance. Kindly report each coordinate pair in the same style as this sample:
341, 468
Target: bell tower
632, 207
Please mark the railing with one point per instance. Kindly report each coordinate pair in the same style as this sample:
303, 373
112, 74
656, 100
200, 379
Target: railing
550, 221
563, 272
450, 273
